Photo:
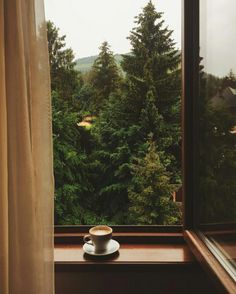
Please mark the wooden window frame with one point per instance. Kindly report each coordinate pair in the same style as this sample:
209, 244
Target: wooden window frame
190, 126
190, 229
124, 234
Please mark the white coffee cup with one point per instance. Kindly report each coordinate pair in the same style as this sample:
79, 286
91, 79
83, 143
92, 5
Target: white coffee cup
100, 237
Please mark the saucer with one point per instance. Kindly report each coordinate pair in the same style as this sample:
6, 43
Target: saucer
112, 247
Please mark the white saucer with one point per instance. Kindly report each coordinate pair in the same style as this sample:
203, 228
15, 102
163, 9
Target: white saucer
112, 247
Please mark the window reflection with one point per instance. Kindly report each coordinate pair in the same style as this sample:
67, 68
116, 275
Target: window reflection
217, 109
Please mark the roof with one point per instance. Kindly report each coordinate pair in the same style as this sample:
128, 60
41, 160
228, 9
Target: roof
89, 118
84, 124
227, 97
233, 91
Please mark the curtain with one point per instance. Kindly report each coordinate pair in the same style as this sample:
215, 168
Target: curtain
26, 171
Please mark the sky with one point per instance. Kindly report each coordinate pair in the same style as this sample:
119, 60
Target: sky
87, 23
218, 36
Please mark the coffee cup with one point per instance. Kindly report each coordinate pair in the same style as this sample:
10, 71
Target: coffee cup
100, 237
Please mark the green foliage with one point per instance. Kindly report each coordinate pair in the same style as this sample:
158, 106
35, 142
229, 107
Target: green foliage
150, 192
105, 76
86, 98
147, 102
85, 64
64, 78
153, 66
218, 156
111, 172
71, 166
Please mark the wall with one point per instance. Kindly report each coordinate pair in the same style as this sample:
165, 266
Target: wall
189, 279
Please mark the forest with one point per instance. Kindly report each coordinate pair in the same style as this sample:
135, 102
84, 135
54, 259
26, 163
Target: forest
117, 129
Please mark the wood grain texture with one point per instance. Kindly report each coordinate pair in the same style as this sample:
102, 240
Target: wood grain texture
65, 237
128, 254
215, 270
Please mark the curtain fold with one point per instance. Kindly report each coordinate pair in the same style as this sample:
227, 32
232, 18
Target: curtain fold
26, 171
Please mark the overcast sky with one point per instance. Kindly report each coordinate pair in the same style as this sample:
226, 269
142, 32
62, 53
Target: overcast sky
87, 23
218, 36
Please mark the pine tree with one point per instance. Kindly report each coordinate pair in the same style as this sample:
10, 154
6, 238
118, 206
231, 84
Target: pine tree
154, 57
72, 165
105, 76
150, 192
148, 102
64, 78
154, 65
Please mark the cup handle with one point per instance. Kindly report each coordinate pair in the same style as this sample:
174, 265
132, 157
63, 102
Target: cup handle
87, 238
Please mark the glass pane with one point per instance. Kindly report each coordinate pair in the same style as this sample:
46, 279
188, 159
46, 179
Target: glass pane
116, 111
217, 109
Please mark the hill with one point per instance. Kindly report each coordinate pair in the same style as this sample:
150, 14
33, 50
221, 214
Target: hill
85, 64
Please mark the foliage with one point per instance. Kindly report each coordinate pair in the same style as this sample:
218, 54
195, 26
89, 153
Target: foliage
153, 66
218, 155
147, 102
71, 161
64, 78
150, 192
85, 64
71, 168
229, 80
112, 172
105, 76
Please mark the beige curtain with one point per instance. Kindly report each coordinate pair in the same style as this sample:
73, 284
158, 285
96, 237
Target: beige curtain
26, 173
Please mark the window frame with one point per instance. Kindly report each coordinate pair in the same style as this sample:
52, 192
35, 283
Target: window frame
190, 127
190, 228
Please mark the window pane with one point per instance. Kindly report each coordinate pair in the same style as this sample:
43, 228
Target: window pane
217, 110
116, 111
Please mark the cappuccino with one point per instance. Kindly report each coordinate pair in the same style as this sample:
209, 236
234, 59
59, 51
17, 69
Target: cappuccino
100, 237
100, 232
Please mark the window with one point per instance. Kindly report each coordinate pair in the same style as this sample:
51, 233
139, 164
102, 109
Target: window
208, 228
217, 130
116, 115
209, 137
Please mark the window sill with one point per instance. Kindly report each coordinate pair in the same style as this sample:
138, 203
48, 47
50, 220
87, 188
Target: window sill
138, 250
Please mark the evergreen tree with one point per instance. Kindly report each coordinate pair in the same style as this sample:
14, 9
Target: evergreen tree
64, 78
72, 165
150, 192
115, 148
154, 65
97, 165
229, 80
87, 96
148, 102
154, 58
105, 76
217, 152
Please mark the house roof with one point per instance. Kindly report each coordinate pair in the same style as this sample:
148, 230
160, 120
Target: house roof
233, 91
84, 124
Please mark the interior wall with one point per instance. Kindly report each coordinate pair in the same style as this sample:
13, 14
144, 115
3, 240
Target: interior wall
189, 280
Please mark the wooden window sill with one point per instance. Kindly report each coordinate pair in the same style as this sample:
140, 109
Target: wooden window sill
158, 250
128, 253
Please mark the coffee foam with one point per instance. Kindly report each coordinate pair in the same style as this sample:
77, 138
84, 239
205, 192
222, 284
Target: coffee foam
100, 232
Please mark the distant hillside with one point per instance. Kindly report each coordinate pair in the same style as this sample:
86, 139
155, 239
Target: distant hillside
85, 64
